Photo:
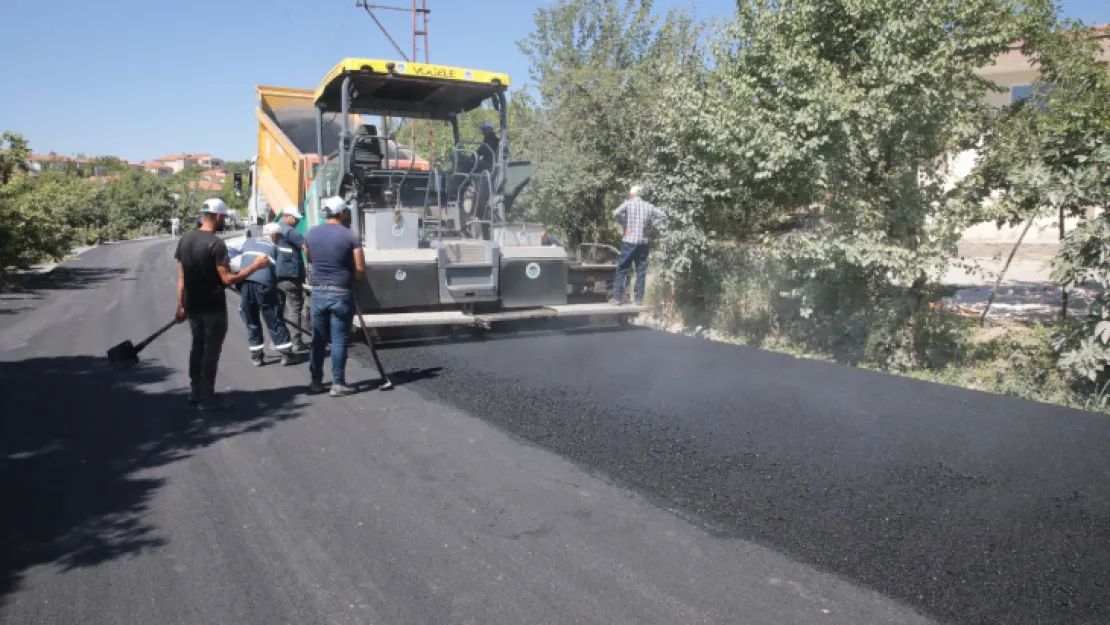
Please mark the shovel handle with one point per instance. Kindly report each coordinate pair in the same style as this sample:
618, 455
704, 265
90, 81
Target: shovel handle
149, 339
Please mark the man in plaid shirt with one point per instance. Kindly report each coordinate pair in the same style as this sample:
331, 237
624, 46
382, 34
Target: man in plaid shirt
638, 218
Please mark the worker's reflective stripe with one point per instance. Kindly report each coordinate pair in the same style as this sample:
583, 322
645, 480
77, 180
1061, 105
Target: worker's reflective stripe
257, 348
284, 346
287, 250
254, 253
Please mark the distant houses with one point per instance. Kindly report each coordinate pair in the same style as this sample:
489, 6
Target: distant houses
211, 179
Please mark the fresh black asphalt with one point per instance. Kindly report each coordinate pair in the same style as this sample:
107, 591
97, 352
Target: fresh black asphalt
585, 477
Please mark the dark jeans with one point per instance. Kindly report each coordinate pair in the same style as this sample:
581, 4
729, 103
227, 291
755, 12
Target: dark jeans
291, 293
209, 330
333, 311
631, 253
259, 303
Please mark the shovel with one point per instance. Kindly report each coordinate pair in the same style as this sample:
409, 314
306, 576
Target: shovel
126, 355
387, 384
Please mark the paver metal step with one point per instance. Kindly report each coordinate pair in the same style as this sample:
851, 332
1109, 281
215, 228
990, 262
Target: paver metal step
439, 318
575, 310
457, 317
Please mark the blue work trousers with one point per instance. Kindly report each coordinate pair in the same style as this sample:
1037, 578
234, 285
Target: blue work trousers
631, 253
333, 313
260, 304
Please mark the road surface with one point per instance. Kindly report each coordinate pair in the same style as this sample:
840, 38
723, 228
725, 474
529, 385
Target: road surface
629, 477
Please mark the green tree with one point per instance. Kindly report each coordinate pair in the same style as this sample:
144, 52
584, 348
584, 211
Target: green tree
136, 203
844, 111
1051, 156
34, 218
518, 118
596, 64
14, 152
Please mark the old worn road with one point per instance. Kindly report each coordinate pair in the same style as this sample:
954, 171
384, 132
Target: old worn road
627, 477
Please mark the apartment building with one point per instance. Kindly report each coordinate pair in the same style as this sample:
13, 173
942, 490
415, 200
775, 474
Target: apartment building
179, 162
1016, 73
158, 168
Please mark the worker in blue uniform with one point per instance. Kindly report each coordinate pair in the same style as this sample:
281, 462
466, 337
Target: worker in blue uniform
260, 302
291, 272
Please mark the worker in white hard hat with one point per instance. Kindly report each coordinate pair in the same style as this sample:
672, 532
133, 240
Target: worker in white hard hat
203, 271
291, 272
260, 303
638, 218
335, 255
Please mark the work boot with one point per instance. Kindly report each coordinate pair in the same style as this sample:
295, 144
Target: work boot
315, 387
194, 396
298, 345
288, 359
615, 302
339, 390
257, 359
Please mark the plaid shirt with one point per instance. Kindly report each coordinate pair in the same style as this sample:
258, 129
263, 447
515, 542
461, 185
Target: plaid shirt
637, 217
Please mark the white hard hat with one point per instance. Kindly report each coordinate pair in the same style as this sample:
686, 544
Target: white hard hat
271, 228
636, 190
215, 206
293, 212
335, 205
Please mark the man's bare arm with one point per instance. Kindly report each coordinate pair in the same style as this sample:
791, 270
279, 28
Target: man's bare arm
360, 263
231, 279
180, 316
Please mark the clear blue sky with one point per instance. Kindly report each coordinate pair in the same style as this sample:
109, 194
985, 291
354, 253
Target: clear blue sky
140, 79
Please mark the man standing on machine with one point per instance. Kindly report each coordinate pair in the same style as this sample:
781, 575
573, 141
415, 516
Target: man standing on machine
203, 270
291, 272
487, 152
638, 218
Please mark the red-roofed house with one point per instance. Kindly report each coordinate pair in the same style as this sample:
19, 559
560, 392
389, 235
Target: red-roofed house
208, 161
214, 175
176, 162
158, 168
206, 185
37, 163
180, 162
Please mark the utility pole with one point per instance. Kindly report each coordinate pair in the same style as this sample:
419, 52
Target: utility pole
420, 38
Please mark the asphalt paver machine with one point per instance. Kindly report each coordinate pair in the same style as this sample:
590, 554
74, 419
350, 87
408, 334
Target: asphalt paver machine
442, 244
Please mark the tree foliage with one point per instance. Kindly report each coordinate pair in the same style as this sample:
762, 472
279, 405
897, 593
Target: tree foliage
44, 217
14, 153
596, 65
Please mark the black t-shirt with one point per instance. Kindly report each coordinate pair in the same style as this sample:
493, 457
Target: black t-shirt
200, 253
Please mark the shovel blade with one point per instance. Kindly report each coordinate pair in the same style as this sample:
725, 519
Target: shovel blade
123, 355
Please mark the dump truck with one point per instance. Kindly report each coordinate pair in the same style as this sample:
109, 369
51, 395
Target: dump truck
442, 243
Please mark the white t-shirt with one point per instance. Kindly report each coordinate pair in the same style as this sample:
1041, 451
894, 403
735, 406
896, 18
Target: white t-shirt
175, 222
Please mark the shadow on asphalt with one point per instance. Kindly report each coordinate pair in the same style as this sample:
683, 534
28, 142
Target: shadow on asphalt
75, 437
64, 277
427, 336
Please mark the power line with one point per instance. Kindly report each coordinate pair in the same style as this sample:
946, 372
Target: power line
420, 13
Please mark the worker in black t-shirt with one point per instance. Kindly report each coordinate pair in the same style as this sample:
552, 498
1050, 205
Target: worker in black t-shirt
202, 273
